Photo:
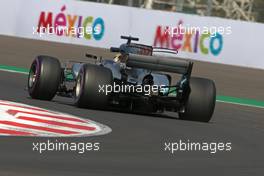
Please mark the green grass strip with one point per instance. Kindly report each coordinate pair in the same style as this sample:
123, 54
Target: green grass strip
240, 101
14, 69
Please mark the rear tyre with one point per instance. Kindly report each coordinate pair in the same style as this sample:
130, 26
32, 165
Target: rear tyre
201, 102
44, 77
87, 91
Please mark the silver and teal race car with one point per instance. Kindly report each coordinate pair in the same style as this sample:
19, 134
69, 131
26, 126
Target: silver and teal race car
134, 80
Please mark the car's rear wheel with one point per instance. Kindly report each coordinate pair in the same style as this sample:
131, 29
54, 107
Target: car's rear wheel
201, 102
89, 81
44, 77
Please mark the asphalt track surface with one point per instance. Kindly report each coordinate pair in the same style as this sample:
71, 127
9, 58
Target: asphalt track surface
136, 144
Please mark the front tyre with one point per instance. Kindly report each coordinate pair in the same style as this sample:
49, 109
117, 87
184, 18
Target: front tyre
44, 77
87, 90
201, 102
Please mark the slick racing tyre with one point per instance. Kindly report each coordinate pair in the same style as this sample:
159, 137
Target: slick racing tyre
201, 101
88, 83
44, 77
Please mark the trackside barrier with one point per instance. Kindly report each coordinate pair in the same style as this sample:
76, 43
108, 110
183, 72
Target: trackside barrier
100, 25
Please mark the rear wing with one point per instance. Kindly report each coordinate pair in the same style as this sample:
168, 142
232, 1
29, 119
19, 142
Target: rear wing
159, 63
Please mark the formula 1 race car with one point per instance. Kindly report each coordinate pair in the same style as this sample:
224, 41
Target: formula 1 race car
134, 80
